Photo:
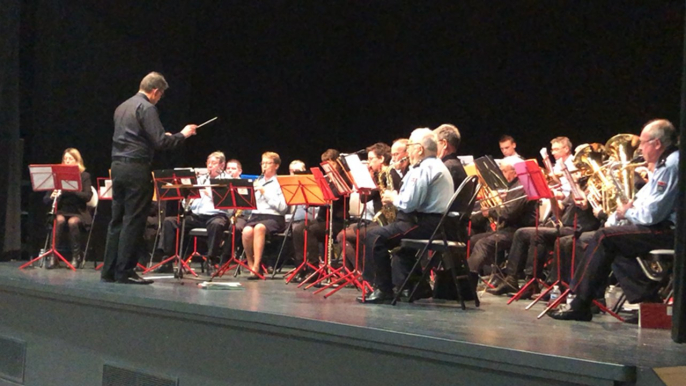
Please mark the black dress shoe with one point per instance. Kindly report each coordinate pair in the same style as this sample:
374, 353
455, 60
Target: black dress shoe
583, 315
423, 292
377, 297
134, 279
107, 279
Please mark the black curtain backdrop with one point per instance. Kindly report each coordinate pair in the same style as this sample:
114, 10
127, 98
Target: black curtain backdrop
298, 78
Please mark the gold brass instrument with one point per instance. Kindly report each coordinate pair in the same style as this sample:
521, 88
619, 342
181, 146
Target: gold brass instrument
487, 197
589, 162
620, 149
388, 212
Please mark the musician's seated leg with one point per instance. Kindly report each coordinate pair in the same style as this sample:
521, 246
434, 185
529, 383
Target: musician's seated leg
247, 238
259, 235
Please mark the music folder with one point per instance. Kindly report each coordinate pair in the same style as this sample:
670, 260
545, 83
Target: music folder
55, 177
338, 185
533, 180
491, 173
233, 193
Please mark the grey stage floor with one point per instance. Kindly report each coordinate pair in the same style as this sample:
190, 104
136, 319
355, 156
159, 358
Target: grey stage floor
493, 324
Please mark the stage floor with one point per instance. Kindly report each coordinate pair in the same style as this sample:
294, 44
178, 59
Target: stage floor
511, 328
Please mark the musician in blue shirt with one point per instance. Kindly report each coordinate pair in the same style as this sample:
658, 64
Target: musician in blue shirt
651, 216
423, 197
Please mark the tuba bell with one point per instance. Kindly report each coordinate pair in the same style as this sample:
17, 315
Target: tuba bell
620, 150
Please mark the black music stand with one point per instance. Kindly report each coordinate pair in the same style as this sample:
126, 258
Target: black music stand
233, 194
176, 184
302, 189
54, 177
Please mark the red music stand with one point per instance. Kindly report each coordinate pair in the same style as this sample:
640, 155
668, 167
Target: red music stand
358, 174
176, 184
233, 194
536, 187
302, 189
54, 177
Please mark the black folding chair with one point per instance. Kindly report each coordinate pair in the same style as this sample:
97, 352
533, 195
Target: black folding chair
446, 237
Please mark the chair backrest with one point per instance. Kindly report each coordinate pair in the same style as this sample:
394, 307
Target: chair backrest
94, 199
459, 209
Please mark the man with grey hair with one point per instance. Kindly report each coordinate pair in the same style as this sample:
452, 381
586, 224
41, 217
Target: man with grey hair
652, 218
202, 215
424, 196
138, 132
448, 137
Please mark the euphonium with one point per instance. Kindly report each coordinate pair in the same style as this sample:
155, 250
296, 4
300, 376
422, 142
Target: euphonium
487, 197
387, 213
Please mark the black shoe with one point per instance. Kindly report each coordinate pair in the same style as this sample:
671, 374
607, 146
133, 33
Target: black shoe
377, 297
509, 285
134, 279
632, 319
423, 292
583, 315
107, 279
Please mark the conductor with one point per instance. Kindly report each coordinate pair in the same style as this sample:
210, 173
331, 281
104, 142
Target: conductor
138, 132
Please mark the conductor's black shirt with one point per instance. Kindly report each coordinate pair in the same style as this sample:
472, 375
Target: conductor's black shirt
138, 131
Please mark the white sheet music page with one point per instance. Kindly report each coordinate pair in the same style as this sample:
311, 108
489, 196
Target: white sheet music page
41, 178
360, 173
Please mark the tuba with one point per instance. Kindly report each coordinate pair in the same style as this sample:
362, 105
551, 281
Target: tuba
387, 213
589, 162
620, 150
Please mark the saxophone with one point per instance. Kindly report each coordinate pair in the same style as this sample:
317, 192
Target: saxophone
388, 212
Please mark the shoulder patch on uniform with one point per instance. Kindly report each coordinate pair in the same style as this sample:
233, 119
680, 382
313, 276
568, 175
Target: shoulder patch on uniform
661, 186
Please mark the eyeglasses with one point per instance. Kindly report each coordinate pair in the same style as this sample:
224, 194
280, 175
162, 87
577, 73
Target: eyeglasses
644, 142
266, 163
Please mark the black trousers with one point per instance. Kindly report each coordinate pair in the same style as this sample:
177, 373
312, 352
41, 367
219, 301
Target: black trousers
132, 190
349, 234
483, 247
568, 245
529, 245
316, 233
618, 247
382, 239
215, 225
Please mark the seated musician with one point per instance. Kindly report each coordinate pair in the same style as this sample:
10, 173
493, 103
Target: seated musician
399, 160
423, 197
299, 212
378, 159
651, 217
508, 147
317, 229
268, 218
532, 245
71, 210
561, 148
202, 215
448, 142
234, 169
515, 212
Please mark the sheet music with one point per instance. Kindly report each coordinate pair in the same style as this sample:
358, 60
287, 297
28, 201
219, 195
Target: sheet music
359, 172
41, 178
